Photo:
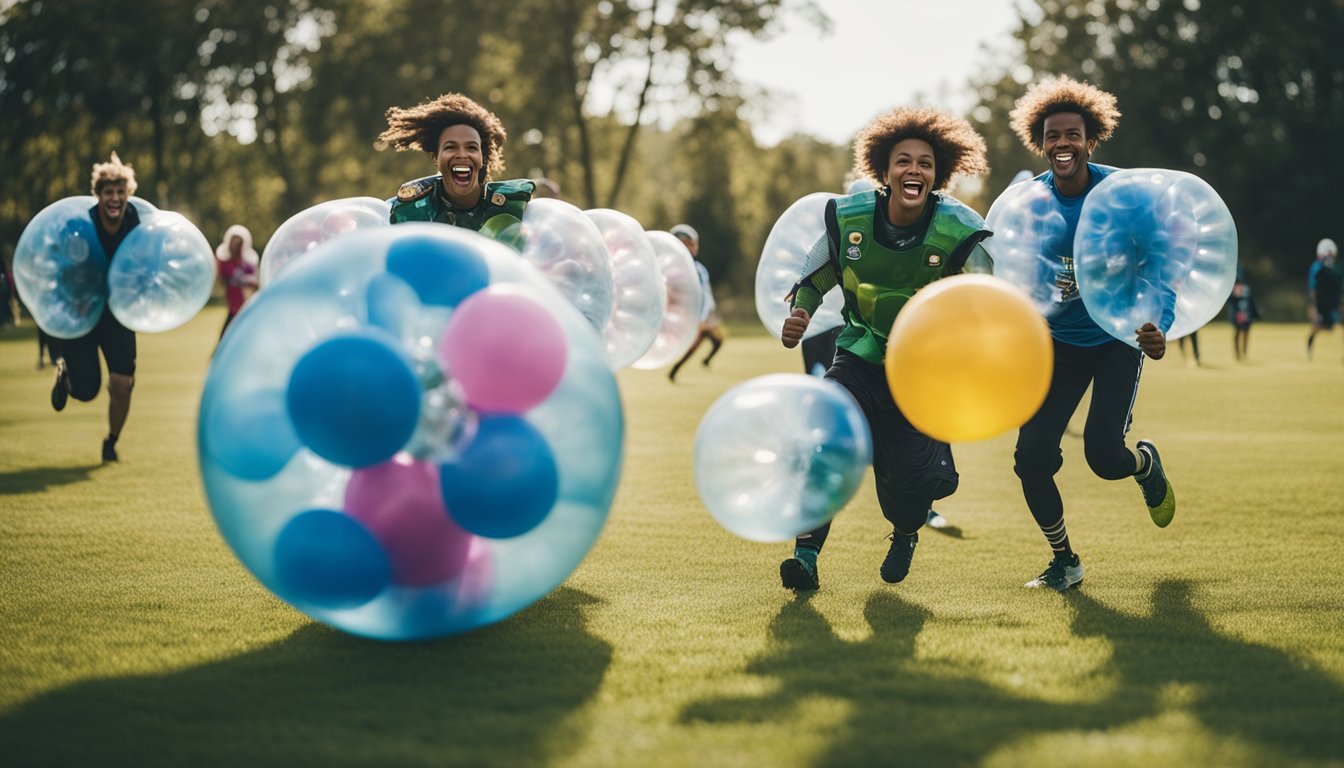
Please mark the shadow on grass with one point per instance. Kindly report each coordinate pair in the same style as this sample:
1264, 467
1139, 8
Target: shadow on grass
42, 479
1237, 689
506, 694
906, 711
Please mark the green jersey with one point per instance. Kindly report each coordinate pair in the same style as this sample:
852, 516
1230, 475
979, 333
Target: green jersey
425, 200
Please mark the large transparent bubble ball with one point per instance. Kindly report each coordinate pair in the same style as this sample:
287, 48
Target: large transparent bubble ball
782, 263
779, 455
371, 465
60, 269
162, 275
681, 312
1030, 243
640, 295
558, 239
1154, 246
313, 226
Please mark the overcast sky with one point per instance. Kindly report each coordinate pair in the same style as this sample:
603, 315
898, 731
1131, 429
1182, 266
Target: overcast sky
879, 54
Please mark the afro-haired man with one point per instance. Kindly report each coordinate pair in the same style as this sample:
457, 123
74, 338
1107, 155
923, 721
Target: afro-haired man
1063, 120
881, 246
78, 373
465, 141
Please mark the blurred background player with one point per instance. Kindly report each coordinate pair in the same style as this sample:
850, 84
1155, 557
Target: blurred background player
711, 327
237, 270
78, 373
1323, 291
1241, 312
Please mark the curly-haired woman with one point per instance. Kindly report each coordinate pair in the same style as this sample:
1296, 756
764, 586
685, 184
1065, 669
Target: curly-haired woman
881, 246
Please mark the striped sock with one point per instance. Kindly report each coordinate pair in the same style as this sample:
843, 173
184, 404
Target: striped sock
1058, 536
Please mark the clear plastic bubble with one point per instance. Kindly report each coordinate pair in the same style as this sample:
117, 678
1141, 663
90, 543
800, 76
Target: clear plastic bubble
60, 269
441, 536
162, 274
782, 262
681, 313
780, 455
1154, 246
640, 295
311, 227
567, 247
1029, 243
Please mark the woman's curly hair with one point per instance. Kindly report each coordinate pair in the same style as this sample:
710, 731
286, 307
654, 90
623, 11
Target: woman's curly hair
111, 171
1063, 94
419, 127
957, 148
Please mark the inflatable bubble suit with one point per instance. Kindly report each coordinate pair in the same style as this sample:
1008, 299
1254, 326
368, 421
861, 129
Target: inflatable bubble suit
1029, 243
780, 455
310, 227
162, 273
681, 313
410, 435
558, 239
782, 263
60, 269
639, 293
1154, 246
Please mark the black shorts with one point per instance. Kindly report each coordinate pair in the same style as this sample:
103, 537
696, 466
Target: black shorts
117, 343
904, 459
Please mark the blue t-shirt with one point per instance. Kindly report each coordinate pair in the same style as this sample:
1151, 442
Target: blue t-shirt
1070, 322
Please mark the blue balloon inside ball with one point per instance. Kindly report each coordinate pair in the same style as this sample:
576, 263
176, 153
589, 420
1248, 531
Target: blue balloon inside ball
441, 273
780, 455
322, 372
1154, 246
60, 269
505, 481
329, 560
354, 399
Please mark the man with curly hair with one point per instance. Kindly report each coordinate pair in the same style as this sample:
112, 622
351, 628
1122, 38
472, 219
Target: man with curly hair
880, 247
465, 142
78, 374
1064, 120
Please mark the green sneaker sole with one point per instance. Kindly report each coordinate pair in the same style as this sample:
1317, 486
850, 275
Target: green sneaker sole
1164, 512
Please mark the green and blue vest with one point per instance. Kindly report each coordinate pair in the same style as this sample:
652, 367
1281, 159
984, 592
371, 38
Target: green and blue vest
878, 281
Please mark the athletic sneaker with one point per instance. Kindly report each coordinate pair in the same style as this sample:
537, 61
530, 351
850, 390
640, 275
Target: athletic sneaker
60, 391
799, 574
896, 566
1063, 573
1157, 491
109, 450
936, 520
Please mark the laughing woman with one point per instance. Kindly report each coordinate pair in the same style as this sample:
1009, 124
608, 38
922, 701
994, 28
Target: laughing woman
881, 246
465, 142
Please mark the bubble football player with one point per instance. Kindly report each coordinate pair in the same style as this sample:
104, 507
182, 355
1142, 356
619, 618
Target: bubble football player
1064, 120
711, 327
465, 141
78, 373
1323, 291
889, 241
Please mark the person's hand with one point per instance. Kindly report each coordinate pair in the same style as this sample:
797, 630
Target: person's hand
1152, 341
794, 327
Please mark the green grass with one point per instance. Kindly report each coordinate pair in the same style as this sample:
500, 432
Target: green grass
130, 635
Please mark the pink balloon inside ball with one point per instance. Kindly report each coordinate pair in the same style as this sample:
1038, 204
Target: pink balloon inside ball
400, 503
505, 349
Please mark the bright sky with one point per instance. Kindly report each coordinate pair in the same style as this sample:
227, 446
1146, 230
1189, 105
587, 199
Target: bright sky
829, 86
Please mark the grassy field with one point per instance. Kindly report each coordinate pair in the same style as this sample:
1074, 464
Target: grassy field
130, 635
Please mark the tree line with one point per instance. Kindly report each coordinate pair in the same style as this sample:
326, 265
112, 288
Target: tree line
250, 112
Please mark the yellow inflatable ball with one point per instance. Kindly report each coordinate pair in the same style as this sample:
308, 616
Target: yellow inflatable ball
968, 358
